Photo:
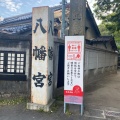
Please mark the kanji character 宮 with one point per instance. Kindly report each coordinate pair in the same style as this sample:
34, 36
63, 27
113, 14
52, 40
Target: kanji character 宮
39, 78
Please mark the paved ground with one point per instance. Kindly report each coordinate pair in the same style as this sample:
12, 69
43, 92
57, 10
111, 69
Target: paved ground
102, 102
106, 92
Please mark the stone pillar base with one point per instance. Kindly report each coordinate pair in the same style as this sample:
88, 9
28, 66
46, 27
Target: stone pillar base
34, 106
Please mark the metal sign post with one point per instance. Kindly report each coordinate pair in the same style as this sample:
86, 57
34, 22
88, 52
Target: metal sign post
74, 71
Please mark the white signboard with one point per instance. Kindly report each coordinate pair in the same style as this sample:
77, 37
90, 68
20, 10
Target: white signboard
74, 68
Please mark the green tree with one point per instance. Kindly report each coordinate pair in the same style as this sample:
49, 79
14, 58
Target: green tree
103, 30
106, 32
109, 12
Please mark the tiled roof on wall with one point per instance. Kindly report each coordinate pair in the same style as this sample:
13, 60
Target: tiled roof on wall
21, 23
103, 40
16, 18
17, 29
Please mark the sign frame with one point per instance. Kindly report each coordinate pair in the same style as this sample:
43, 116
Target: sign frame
74, 71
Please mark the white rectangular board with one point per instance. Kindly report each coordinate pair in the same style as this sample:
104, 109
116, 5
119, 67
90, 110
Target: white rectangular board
74, 69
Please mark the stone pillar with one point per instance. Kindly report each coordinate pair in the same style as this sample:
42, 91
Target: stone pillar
77, 17
42, 58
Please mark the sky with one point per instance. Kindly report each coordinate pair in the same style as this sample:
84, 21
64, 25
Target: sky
9, 8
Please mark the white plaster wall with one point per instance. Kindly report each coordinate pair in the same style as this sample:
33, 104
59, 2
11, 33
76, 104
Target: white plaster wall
102, 46
95, 59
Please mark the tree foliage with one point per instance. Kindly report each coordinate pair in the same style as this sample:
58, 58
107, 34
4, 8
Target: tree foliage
109, 12
103, 30
106, 32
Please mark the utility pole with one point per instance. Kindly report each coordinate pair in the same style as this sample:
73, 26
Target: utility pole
77, 30
63, 19
77, 17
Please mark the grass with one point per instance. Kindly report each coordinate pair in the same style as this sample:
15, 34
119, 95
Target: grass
68, 112
57, 104
55, 107
13, 101
60, 98
41, 110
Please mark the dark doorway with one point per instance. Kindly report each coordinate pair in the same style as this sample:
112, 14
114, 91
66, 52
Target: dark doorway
60, 82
